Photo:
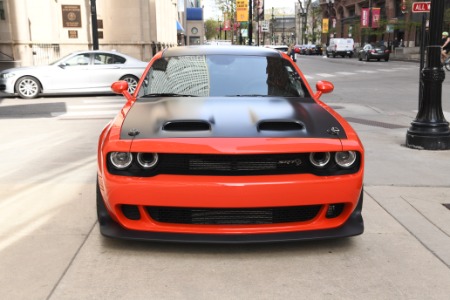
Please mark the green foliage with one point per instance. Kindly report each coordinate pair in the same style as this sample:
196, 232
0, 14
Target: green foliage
211, 28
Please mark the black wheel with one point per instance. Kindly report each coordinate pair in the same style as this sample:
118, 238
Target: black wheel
378, 59
28, 87
447, 64
132, 82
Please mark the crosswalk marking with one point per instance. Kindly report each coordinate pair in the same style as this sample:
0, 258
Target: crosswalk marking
105, 101
325, 75
366, 71
346, 73
85, 114
94, 106
385, 70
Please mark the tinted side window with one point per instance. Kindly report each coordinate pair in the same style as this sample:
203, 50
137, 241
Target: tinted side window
107, 59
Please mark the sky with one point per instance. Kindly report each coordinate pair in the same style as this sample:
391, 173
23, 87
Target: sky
211, 10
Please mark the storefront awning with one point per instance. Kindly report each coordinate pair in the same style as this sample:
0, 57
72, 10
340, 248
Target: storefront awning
180, 28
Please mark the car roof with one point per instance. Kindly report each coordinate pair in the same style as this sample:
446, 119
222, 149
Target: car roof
220, 50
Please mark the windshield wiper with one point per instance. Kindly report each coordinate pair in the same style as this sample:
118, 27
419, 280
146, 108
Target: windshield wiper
167, 95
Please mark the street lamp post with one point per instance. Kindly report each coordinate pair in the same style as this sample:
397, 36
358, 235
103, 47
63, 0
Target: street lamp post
94, 25
430, 130
302, 18
330, 4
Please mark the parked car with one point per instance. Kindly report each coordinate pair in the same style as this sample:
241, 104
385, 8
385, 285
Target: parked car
341, 46
377, 52
314, 50
259, 159
303, 49
282, 48
77, 73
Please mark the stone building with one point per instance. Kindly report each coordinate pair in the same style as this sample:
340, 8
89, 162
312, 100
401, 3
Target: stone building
36, 32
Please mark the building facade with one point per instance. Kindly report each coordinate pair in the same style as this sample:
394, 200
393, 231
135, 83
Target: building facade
391, 21
36, 32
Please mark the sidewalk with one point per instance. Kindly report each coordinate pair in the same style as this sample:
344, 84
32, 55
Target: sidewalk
412, 186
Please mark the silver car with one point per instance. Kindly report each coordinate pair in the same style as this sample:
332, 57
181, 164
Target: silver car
80, 72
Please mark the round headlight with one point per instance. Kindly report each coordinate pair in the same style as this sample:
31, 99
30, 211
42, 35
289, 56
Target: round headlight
319, 159
121, 160
345, 159
147, 160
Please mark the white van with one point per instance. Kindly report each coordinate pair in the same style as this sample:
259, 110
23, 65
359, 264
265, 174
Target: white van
341, 46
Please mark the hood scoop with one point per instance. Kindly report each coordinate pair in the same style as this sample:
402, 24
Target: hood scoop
280, 125
187, 125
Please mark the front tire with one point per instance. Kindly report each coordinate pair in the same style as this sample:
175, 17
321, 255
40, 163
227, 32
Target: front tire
27, 87
132, 82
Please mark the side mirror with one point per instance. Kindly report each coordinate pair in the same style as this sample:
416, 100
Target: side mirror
121, 87
323, 87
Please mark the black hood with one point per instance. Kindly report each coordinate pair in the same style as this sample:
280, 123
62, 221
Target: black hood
186, 117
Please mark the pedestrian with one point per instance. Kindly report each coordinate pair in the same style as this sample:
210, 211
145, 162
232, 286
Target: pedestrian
445, 46
396, 43
291, 52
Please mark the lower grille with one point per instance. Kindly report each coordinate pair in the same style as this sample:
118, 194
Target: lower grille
226, 216
131, 212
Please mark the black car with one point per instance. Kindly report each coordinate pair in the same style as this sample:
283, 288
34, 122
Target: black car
314, 50
377, 52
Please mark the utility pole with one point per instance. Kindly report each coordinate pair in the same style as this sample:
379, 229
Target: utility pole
94, 24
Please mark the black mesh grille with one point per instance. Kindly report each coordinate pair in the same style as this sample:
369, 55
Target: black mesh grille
335, 210
226, 216
233, 164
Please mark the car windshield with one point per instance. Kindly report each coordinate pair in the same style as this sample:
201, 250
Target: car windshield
222, 76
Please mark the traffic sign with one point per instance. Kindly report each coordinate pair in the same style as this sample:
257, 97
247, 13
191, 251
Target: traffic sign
421, 7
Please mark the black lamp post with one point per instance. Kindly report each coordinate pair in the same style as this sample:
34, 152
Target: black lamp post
250, 22
94, 25
330, 4
272, 32
430, 130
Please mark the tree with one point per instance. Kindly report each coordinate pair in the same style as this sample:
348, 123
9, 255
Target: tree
307, 4
211, 29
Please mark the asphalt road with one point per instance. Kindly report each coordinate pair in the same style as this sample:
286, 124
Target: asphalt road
51, 248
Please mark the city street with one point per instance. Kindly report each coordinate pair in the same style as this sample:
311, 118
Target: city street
51, 247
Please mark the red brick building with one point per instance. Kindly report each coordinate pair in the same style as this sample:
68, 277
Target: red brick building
395, 20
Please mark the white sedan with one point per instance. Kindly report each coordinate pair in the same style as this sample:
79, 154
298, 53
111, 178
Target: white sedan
82, 72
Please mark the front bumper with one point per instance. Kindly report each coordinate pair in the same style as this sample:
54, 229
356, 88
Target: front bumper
353, 226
